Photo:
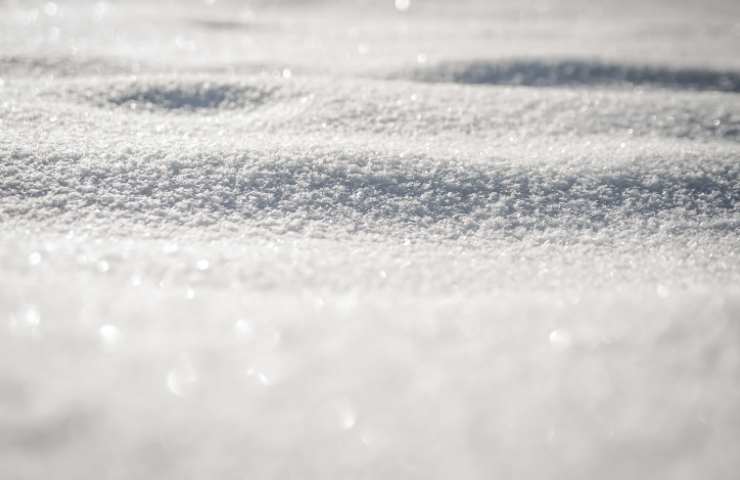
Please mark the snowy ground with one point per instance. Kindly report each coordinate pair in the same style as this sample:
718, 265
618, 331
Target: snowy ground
370, 240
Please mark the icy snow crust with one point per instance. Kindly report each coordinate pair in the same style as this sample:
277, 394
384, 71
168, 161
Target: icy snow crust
311, 240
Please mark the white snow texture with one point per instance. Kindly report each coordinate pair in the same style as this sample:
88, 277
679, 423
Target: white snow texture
418, 239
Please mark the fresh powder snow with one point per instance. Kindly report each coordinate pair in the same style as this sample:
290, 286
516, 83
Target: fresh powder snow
410, 239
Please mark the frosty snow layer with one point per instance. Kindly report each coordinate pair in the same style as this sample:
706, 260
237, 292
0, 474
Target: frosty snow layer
435, 240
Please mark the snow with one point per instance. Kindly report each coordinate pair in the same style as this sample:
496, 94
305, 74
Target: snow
417, 239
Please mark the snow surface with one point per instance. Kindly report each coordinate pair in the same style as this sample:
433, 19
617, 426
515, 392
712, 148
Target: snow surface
418, 239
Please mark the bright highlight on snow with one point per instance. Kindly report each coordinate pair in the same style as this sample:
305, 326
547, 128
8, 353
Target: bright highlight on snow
402, 5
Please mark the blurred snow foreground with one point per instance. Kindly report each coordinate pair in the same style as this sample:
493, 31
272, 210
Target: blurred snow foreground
410, 239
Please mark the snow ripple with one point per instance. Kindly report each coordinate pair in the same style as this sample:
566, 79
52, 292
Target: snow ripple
369, 188
577, 73
296, 106
35, 66
184, 97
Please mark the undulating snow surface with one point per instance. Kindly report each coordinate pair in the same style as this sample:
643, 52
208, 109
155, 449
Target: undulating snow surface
425, 239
